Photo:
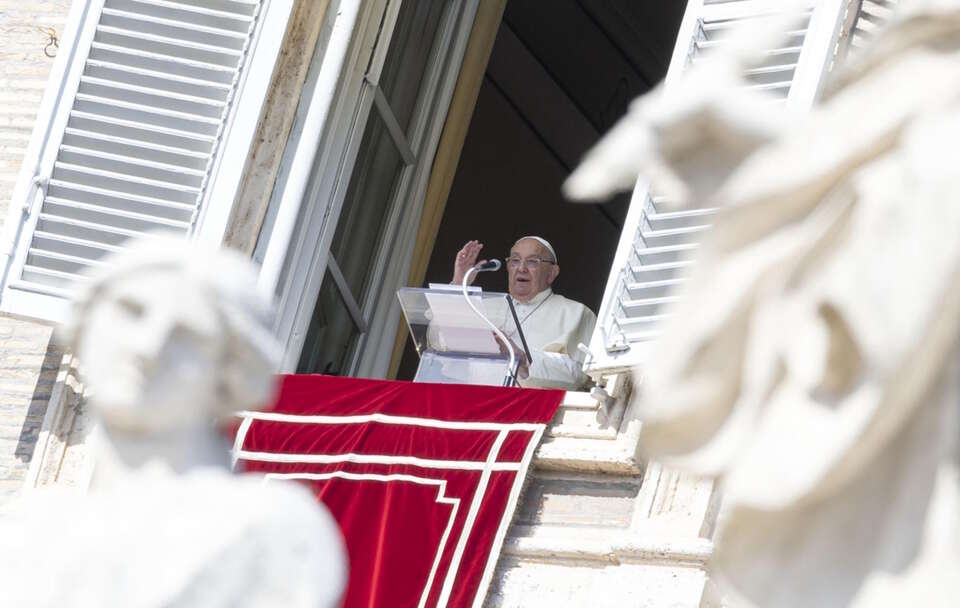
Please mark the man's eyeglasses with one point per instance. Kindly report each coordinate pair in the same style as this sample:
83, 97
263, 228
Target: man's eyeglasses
528, 263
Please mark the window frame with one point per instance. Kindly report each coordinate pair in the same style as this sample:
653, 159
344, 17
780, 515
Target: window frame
315, 174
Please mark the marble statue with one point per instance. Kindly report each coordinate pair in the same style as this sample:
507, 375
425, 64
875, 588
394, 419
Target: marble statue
812, 365
172, 340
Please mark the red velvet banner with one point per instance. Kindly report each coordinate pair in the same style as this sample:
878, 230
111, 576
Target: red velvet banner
422, 478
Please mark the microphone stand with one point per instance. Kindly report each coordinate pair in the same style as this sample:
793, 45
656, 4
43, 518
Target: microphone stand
511, 379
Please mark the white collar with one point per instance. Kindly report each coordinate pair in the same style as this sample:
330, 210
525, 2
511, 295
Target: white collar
536, 300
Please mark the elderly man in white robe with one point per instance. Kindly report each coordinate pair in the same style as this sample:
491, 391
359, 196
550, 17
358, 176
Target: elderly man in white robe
553, 325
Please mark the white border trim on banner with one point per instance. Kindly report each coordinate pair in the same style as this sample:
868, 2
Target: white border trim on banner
478, 494
485, 468
426, 463
441, 498
390, 419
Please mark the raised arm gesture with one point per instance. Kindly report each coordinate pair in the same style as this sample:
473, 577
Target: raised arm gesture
466, 258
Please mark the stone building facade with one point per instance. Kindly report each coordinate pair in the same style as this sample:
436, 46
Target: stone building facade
29, 358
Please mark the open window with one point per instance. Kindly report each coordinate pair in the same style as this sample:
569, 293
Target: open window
336, 245
336, 250
377, 191
555, 82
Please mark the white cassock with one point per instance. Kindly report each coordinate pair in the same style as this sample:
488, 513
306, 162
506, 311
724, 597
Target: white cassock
553, 327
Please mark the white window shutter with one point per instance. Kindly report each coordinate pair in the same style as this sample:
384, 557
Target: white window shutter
129, 140
658, 244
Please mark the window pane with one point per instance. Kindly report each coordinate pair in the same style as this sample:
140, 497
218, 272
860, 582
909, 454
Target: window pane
330, 334
365, 207
361, 227
409, 55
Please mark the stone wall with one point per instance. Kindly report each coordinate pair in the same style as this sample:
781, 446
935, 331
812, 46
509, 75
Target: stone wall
28, 370
28, 360
597, 526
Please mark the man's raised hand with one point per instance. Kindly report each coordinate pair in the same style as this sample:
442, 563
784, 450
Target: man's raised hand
466, 259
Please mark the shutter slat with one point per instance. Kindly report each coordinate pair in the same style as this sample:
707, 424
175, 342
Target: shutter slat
167, 47
46, 280
113, 235
161, 63
86, 174
133, 94
245, 7
646, 306
672, 236
108, 107
772, 86
643, 322
144, 132
659, 272
643, 336
683, 219
157, 81
209, 17
96, 193
51, 260
662, 267
181, 39
665, 254
70, 246
772, 69
636, 287
128, 220
131, 166
172, 29
668, 232
66, 191
165, 155
682, 213
780, 74
157, 117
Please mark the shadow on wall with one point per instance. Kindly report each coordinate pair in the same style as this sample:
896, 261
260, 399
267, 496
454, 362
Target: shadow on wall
39, 400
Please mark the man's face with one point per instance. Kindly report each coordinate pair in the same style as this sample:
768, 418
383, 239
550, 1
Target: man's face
526, 280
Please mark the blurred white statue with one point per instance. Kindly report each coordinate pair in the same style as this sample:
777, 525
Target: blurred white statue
812, 363
172, 339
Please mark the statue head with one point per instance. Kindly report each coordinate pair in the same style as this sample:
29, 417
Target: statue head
171, 335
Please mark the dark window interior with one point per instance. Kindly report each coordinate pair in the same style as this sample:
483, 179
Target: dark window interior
561, 73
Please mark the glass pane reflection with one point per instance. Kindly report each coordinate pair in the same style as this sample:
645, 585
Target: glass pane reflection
409, 54
330, 334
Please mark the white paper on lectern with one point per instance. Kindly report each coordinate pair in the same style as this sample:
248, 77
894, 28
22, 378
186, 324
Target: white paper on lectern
455, 327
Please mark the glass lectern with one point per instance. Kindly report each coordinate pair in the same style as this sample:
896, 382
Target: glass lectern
455, 345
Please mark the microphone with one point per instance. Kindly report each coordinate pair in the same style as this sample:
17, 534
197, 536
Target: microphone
493, 264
